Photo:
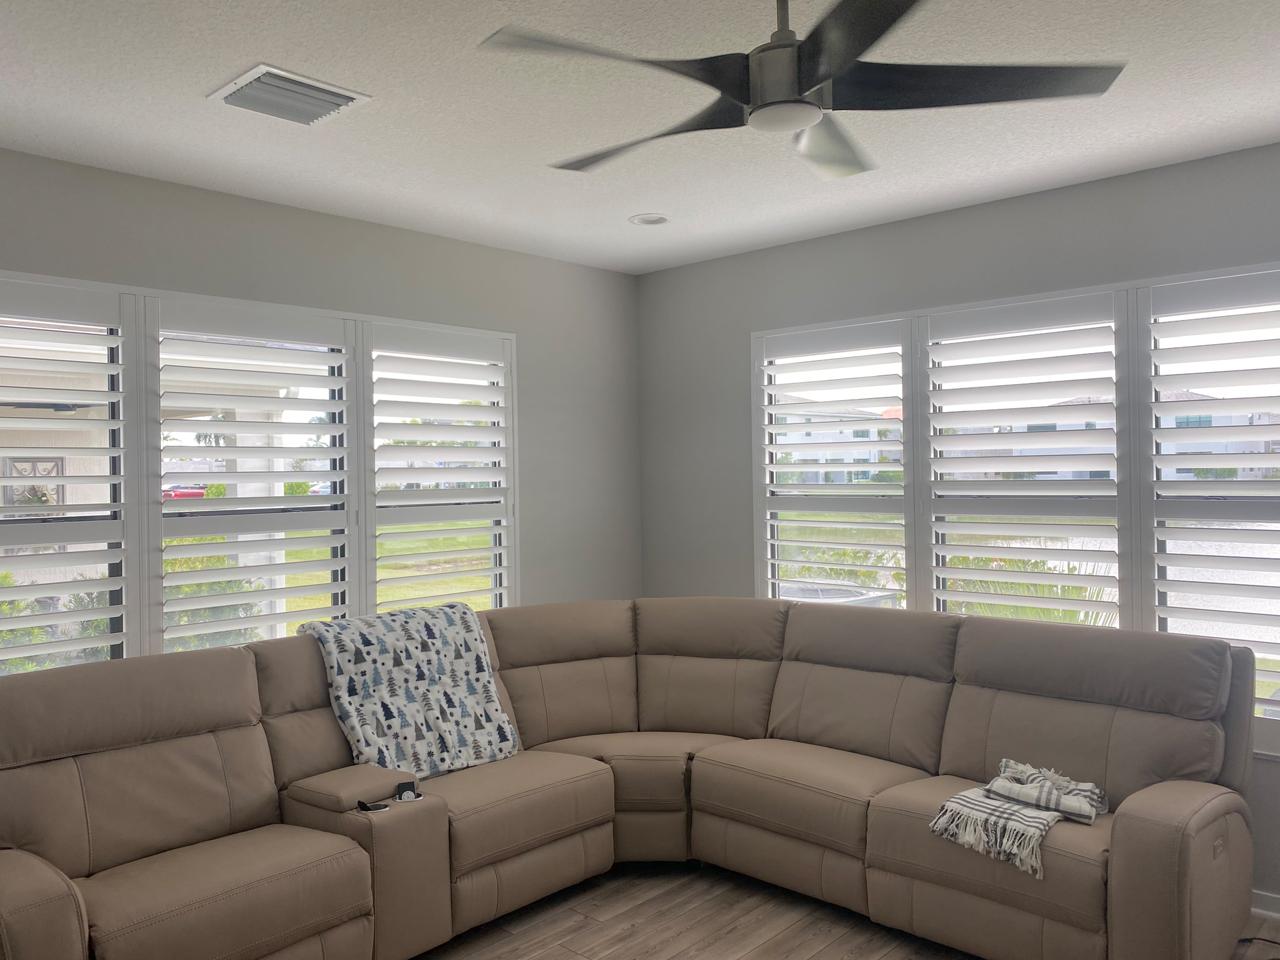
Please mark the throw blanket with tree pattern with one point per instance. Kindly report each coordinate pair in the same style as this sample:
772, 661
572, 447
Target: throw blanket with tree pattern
415, 689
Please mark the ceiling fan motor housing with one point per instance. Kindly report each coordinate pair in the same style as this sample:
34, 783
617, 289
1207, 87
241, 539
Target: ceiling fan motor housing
777, 105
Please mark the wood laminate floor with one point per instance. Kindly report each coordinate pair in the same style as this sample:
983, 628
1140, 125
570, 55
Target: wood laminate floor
694, 912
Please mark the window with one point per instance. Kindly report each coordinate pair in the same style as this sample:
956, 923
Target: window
1214, 418
832, 462
180, 472
1022, 418
441, 489
1107, 458
253, 486
63, 531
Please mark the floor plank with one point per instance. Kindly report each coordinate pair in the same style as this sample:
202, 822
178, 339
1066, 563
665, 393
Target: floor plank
693, 912
802, 940
655, 912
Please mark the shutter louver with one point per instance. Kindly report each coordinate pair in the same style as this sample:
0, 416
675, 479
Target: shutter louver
1215, 464
62, 534
833, 467
441, 471
1023, 461
253, 487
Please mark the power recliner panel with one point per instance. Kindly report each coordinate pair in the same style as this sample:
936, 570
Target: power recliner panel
177, 805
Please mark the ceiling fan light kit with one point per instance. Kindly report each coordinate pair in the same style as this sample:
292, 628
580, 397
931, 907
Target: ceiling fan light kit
788, 85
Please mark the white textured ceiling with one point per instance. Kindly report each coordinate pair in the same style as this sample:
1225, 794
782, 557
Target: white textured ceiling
456, 140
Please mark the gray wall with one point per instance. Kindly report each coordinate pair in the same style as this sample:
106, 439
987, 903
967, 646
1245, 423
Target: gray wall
696, 322
1264, 803
579, 529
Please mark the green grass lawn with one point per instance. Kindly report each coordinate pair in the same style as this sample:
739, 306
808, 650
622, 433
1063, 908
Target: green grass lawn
1269, 688
389, 567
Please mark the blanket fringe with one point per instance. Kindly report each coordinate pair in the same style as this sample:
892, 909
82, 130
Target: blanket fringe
997, 839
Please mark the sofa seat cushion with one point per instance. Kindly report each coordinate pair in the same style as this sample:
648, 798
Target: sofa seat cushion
1074, 887
501, 809
650, 767
800, 790
238, 897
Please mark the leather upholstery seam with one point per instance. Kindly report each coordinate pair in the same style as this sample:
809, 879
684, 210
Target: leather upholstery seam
312, 796
1094, 924
1106, 753
88, 827
804, 693
34, 905
733, 697
649, 805
546, 711
1045, 845
82, 922
1217, 717
608, 692
666, 690
893, 714
326, 921
868, 670
498, 896
226, 782
514, 849
794, 783
726, 812
224, 895
986, 737
372, 850
532, 792
13, 764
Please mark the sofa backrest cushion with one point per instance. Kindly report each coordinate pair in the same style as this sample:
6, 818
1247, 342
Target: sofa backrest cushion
1117, 707
302, 731
569, 668
104, 763
708, 664
1237, 722
865, 679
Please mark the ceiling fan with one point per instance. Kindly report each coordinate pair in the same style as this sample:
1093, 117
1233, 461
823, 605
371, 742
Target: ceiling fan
790, 85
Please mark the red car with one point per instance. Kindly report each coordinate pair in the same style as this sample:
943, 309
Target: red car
182, 491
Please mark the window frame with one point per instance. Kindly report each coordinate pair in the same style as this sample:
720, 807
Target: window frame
366, 337
1135, 450
142, 314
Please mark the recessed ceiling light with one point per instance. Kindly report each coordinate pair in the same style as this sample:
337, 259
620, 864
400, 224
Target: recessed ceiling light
647, 219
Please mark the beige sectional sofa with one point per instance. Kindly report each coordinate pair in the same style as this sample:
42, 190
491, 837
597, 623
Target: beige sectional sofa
204, 805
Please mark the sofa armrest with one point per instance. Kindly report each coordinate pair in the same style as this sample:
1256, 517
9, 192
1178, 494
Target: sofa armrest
1181, 873
408, 847
340, 790
41, 913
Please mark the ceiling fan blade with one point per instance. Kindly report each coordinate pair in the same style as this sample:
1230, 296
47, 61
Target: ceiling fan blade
827, 149
723, 114
911, 86
726, 73
844, 34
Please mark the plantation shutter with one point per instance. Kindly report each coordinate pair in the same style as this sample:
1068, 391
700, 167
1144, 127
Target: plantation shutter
1022, 458
253, 474
1214, 417
64, 543
832, 464
441, 471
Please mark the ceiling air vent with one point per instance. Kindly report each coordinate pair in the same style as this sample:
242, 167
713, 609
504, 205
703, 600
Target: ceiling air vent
278, 93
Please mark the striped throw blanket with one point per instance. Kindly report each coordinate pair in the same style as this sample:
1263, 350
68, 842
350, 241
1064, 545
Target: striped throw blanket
1008, 818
